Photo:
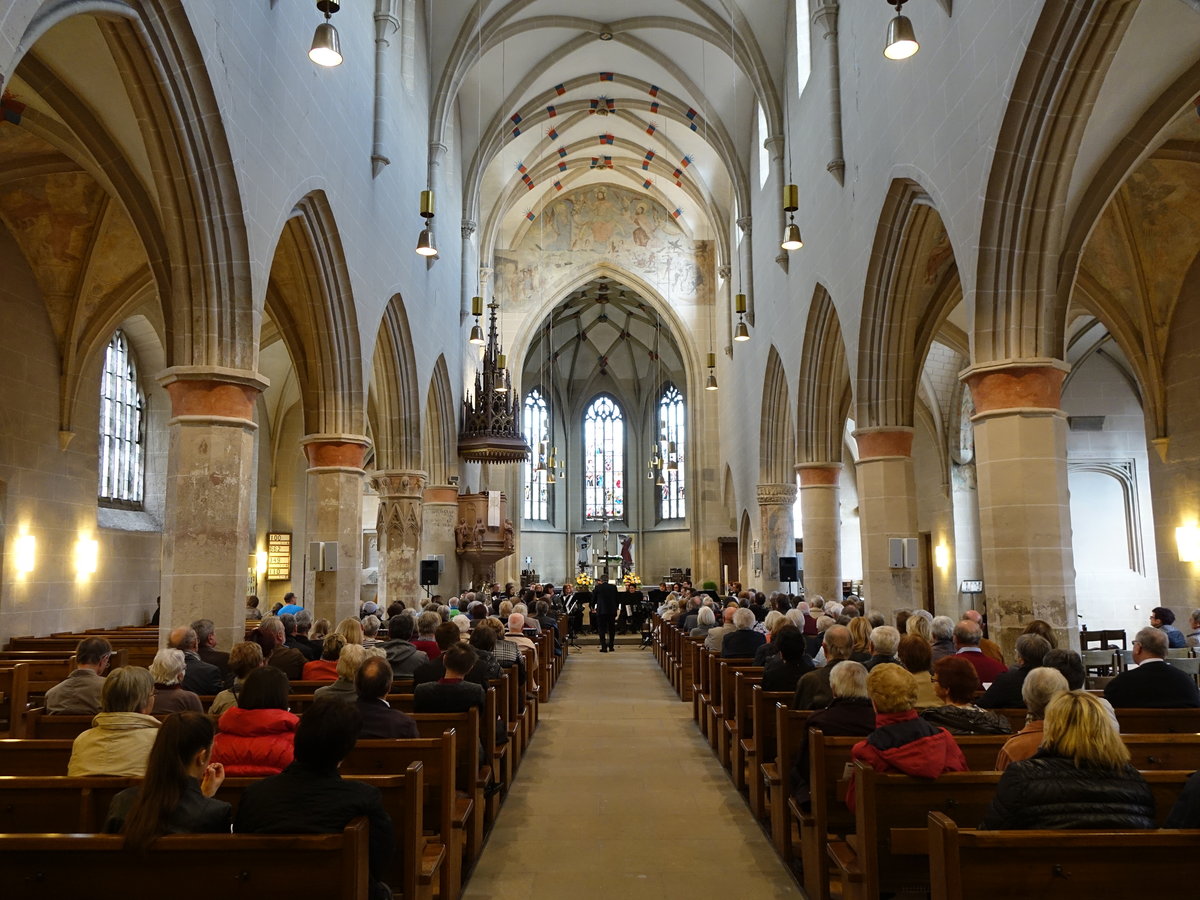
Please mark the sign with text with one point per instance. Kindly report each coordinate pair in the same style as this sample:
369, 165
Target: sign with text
279, 556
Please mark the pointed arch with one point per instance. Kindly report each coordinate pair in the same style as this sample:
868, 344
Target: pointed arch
776, 440
825, 391
394, 402
439, 436
1017, 297
912, 285
309, 298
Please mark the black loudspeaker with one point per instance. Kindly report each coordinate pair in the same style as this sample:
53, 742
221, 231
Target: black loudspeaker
787, 568
429, 571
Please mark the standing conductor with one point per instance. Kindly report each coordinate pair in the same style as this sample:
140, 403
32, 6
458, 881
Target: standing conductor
604, 602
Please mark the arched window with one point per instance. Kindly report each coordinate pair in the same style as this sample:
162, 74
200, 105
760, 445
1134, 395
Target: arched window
122, 437
536, 425
672, 430
603, 460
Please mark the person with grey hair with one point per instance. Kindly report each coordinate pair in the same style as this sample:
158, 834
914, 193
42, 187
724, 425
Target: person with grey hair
850, 713
292, 639
942, 633
1040, 686
1154, 684
967, 637
1193, 635
884, 641
813, 691
876, 619
705, 622
743, 640
206, 648
201, 678
1005, 692
79, 693
167, 670
123, 732
288, 659
724, 626
370, 627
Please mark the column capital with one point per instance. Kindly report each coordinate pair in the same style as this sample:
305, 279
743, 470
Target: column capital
744, 223
883, 442
819, 474
724, 271
468, 229
342, 451
400, 483
1017, 384
213, 391
776, 494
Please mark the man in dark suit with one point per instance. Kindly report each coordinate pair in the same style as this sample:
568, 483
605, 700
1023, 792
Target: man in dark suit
373, 683
1154, 684
604, 604
199, 677
1005, 692
743, 641
206, 641
451, 693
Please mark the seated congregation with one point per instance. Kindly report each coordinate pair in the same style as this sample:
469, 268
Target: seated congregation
403, 747
889, 758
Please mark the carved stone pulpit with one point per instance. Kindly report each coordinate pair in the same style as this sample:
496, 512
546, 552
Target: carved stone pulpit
483, 534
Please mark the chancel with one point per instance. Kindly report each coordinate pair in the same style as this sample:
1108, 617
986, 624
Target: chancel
725, 318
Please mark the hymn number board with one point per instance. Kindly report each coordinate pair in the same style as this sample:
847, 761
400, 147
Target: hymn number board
279, 556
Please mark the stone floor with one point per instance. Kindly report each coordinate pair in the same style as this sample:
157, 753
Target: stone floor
620, 797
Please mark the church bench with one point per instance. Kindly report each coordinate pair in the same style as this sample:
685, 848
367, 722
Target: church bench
65, 804
25, 757
472, 777
700, 689
1034, 865
716, 697
759, 746
14, 698
1159, 721
689, 657
739, 680
446, 814
39, 866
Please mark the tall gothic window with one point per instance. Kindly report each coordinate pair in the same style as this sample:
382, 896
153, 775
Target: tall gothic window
603, 460
536, 425
671, 428
122, 438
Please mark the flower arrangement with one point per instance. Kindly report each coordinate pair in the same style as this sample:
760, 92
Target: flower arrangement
585, 581
633, 580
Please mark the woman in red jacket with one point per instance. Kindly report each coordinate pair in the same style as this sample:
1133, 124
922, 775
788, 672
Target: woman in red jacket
255, 737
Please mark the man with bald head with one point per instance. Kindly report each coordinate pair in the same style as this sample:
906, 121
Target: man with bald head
967, 638
813, 690
1154, 683
200, 677
987, 647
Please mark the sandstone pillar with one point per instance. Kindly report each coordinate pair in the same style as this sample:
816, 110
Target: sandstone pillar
334, 514
887, 506
1024, 508
209, 494
401, 500
439, 516
775, 502
821, 523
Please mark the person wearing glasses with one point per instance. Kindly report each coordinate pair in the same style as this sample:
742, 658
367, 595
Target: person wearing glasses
79, 693
1153, 684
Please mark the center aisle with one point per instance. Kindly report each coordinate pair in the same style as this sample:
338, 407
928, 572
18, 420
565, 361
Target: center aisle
620, 796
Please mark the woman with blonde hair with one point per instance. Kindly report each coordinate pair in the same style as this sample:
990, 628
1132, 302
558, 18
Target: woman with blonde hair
860, 628
774, 621
1081, 776
920, 625
351, 630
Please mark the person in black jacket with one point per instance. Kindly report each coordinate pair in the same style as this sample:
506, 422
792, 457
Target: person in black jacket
604, 605
373, 683
1154, 684
1005, 691
310, 797
1080, 778
784, 670
743, 641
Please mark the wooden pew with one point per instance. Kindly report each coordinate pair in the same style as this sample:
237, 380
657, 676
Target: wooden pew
689, 657
889, 851
1159, 721
1054, 864
700, 690
716, 710
329, 866
472, 778
22, 757
14, 698
736, 724
443, 807
759, 747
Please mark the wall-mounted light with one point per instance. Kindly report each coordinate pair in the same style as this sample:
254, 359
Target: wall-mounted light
1187, 540
742, 333
25, 551
425, 245
326, 49
711, 383
260, 560
791, 232
87, 557
901, 39
941, 557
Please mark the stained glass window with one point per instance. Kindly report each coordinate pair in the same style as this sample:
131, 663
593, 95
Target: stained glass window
672, 430
536, 425
122, 441
603, 460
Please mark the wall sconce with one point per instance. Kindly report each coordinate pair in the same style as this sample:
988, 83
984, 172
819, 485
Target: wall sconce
25, 548
941, 557
260, 562
1187, 540
326, 49
87, 556
425, 239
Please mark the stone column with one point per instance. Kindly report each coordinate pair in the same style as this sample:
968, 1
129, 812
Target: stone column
775, 502
887, 506
209, 493
335, 474
1024, 508
820, 512
401, 498
439, 516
